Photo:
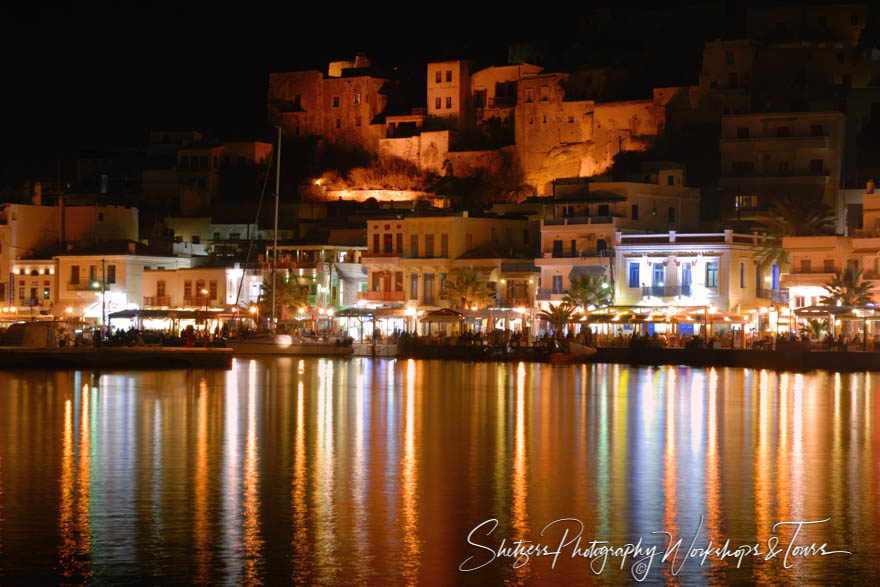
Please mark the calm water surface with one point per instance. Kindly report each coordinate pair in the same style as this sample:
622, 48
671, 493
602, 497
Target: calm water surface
373, 471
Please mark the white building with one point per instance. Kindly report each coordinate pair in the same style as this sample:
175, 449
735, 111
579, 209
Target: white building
579, 225
107, 278
30, 230
183, 287
815, 259
34, 288
720, 269
198, 235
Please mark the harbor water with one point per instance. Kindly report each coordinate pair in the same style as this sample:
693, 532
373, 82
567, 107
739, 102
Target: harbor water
374, 471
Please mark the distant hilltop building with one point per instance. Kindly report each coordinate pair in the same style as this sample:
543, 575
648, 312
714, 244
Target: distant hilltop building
343, 106
549, 123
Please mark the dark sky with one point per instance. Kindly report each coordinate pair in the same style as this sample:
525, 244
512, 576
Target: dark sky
93, 74
85, 74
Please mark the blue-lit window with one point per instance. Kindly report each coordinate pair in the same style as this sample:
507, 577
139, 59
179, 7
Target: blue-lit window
632, 275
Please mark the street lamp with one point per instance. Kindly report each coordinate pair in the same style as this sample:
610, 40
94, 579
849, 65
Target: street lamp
204, 293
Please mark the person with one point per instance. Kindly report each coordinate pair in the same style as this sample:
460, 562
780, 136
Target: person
189, 337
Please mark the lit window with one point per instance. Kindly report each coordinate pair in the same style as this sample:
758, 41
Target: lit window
712, 274
632, 275
357, 98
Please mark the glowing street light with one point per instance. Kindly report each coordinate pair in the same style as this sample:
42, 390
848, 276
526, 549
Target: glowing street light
204, 293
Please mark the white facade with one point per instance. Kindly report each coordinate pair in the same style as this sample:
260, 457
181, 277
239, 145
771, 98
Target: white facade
198, 235
95, 285
720, 270
182, 288
578, 232
34, 288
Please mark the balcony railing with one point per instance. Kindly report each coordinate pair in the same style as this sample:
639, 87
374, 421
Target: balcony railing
777, 296
195, 300
577, 255
813, 270
666, 291
382, 296
90, 285
575, 220
157, 300
382, 254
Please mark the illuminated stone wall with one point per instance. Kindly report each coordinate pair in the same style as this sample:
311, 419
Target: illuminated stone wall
340, 109
558, 138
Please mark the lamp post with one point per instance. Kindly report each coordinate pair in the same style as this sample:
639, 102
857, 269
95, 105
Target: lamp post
253, 311
204, 293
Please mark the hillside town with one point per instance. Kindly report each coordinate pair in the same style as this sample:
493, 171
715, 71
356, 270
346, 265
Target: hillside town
552, 192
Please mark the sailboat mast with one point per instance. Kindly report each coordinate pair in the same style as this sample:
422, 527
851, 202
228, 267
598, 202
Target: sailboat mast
275, 231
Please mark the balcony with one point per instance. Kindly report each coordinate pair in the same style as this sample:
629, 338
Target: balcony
157, 300
580, 220
382, 254
91, 285
774, 295
382, 296
576, 255
798, 142
196, 300
517, 302
666, 291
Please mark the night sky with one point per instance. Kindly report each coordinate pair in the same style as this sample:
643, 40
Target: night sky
99, 74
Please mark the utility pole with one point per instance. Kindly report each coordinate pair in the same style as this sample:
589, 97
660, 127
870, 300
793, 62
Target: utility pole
275, 231
104, 293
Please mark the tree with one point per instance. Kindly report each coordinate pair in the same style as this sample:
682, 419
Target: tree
465, 290
793, 217
847, 289
289, 295
588, 290
558, 316
815, 328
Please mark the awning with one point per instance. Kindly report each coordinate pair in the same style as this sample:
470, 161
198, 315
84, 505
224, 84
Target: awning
443, 315
157, 314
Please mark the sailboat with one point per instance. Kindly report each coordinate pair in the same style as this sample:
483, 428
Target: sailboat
272, 343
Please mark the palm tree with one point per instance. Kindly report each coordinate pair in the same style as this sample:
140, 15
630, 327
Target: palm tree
558, 316
847, 289
790, 216
465, 290
815, 328
289, 295
587, 290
